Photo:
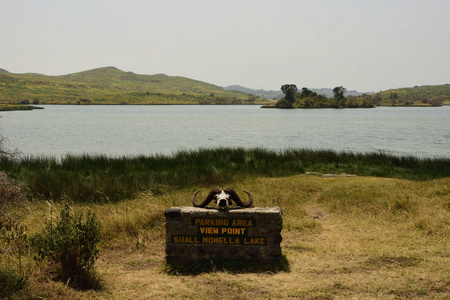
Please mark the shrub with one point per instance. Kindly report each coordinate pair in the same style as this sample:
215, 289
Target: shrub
71, 244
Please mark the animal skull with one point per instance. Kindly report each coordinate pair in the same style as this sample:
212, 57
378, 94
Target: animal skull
223, 198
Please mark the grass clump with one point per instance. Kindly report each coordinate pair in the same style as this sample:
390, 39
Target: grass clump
10, 281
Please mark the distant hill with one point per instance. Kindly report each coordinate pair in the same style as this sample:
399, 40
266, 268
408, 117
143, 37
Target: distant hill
110, 85
275, 95
329, 92
425, 95
3, 71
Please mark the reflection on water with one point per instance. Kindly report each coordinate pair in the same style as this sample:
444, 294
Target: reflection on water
132, 130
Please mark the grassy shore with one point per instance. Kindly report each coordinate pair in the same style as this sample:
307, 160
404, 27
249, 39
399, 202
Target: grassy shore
380, 235
97, 178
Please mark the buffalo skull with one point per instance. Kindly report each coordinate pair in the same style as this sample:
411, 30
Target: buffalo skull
223, 198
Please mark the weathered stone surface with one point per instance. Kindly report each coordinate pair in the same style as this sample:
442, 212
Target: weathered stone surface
194, 233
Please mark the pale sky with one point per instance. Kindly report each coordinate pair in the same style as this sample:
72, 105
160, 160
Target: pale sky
364, 45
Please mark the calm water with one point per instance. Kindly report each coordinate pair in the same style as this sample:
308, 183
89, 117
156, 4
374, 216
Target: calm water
131, 130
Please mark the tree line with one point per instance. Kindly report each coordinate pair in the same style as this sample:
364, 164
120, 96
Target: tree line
293, 98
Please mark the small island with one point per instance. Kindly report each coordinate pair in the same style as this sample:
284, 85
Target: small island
309, 99
12, 107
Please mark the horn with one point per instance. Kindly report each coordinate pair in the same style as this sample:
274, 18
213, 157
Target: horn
235, 197
208, 198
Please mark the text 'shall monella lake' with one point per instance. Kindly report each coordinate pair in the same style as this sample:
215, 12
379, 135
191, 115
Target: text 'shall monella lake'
135, 130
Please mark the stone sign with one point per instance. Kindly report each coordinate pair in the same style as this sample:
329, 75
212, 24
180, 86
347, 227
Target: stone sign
194, 233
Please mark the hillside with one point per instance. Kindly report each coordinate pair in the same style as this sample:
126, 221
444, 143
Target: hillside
425, 95
110, 85
274, 95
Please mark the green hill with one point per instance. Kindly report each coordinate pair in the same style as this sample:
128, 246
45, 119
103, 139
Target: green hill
426, 95
110, 85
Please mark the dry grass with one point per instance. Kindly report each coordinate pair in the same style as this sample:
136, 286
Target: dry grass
344, 238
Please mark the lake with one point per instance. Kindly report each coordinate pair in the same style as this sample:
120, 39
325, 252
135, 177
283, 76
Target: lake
131, 130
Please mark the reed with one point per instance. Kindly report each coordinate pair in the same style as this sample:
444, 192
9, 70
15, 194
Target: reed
101, 178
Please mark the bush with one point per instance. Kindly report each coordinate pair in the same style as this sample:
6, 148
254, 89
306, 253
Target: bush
72, 245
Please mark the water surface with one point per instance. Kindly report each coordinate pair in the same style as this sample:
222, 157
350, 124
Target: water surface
131, 130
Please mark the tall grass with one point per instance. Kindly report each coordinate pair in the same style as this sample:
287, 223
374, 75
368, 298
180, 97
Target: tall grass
101, 178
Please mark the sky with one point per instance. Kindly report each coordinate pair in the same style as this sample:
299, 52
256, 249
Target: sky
363, 45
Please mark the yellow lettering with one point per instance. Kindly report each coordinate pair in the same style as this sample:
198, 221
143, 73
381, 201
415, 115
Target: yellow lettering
249, 224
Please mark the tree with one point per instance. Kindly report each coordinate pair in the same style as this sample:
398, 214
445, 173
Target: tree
289, 91
339, 95
306, 92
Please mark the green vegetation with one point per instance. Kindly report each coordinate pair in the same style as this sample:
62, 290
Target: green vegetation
112, 86
100, 178
309, 99
9, 107
417, 96
426, 95
71, 244
13, 238
343, 237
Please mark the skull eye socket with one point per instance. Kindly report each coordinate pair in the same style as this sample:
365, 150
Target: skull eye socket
222, 203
